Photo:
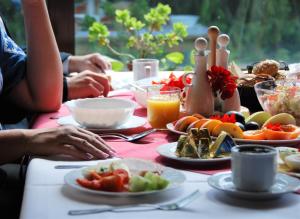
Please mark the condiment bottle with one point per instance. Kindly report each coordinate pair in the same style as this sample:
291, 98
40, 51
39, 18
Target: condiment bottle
200, 97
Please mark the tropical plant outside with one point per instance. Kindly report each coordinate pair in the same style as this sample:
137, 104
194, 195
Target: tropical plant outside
145, 38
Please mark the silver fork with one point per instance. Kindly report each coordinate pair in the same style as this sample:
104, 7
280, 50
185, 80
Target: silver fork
129, 138
140, 207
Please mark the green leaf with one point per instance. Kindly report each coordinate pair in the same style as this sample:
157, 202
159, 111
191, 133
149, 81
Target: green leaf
122, 16
180, 29
98, 32
188, 68
176, 57
117, 65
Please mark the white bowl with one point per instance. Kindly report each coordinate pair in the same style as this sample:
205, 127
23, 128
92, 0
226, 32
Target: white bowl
141, 96
101, 112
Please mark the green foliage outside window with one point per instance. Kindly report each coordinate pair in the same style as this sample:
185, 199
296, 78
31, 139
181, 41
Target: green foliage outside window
258, 29
12, 15
144, 37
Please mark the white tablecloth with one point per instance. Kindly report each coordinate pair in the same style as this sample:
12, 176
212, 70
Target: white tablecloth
47, 197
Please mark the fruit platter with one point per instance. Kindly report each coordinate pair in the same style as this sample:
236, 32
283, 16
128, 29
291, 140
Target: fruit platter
259, 128
125, 177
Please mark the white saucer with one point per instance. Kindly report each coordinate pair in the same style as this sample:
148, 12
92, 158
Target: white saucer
133, 122
283, 184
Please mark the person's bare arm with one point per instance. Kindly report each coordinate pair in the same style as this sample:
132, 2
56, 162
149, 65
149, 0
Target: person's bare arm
67, 140
41, 90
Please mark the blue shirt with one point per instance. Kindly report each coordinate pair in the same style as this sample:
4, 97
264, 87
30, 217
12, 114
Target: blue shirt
12, 63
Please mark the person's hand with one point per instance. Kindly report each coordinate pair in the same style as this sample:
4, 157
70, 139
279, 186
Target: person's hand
87, 84
93, 62
67, 140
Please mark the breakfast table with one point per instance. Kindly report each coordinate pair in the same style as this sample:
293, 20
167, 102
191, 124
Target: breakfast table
46, 194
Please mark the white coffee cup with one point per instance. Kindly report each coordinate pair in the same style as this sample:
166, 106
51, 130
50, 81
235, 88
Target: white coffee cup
144, 68
253, 167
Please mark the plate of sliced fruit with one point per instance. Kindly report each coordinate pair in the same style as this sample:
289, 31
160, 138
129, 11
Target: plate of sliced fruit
258, 128
198, 148
125, 177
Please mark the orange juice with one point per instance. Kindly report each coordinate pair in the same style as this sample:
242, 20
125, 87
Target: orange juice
161, 111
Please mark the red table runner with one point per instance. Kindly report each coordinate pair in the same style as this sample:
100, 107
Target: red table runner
144, 148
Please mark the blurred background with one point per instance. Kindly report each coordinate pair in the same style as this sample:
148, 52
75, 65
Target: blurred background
259, 29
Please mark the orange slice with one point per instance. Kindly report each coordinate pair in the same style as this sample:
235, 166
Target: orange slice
255, 134
184, 122
289, 132
232, 129
211, 124
197, 124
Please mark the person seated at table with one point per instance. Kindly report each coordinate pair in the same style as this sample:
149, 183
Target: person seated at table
34, 82
89, 81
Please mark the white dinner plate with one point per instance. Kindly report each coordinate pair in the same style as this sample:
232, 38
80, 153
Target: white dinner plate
175, 177
283, 184
133, 122
292, 142
168, 151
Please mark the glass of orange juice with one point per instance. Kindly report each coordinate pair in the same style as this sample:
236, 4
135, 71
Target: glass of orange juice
163, 106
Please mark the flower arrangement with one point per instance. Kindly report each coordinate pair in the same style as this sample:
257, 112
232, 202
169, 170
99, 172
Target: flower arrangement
222, 82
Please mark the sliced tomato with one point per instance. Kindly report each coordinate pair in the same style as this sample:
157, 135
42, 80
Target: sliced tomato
254, 134
112, 183
105, 174
90, 184
94, 175
123, 174
288, 132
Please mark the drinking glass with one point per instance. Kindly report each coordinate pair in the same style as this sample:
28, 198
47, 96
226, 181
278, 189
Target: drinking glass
163, 106
144, 68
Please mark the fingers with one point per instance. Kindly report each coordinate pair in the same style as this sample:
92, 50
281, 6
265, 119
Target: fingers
94, 68
106, 147
95, 89
102, 80
97, 142
87, 145
99, 61
86, 141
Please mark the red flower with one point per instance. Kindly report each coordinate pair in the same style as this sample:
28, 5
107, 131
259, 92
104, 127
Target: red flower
173, 81
222, 81
274, 127
225, 118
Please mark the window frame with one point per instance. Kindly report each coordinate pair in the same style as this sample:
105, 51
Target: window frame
63, 23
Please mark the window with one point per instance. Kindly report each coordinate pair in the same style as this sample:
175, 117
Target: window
259, 29
11, 13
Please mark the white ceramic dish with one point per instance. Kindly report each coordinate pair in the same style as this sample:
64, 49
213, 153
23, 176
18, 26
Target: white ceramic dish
140, 95
293, 161
101, 112
168, 151
175, 177
132, 123
292, 142
283, 184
